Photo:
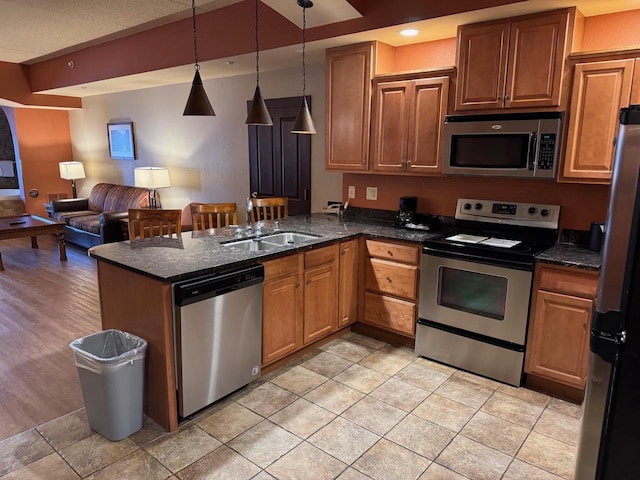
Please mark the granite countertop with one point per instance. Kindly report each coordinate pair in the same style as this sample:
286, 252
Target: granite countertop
202, 253
571, 255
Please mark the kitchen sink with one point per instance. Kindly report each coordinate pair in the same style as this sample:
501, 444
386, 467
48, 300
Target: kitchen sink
251, 244
288, 238
274, 240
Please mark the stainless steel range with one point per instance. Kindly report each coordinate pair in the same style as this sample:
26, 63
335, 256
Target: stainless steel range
475, 286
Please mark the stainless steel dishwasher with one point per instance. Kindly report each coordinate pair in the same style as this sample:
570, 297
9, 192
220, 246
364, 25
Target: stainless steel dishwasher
218, 335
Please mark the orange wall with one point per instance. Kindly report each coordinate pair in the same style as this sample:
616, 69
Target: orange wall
14, 86
615, 30
580, 204
44, 140
423, 56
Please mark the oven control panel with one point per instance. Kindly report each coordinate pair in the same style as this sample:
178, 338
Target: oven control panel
508, 213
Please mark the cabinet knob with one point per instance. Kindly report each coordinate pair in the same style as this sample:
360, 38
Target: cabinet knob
343, 252
390, 253
388, 279
297, 284
308, 282
507, 98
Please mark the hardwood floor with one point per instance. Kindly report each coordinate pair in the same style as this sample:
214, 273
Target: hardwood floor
44, 305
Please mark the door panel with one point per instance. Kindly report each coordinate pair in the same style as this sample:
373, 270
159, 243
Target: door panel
280, 161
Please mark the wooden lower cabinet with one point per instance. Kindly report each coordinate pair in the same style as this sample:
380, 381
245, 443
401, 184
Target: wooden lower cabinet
281, 308
320, 293
300, 301
558, 342
348, 283
391, 286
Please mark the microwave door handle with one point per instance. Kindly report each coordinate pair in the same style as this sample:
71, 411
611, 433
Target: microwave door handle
532, 150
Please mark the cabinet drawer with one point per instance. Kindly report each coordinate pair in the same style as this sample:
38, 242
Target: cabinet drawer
392, 278
281, 266
390, 313
321, 256
393, 251
572, 281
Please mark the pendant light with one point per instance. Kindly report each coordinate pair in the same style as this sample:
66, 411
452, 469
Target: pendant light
258, 113
304, 122
197, 103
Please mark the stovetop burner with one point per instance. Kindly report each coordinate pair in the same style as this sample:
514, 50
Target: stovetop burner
499, 230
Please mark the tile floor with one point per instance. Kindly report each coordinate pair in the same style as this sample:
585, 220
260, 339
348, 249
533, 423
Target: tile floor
355, 409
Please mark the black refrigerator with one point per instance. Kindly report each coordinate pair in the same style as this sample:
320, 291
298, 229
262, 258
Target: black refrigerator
609, 443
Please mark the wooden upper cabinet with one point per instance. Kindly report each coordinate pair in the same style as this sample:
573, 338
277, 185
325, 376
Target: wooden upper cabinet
407, 124
600, 89
348, 102
516, 64
482, 66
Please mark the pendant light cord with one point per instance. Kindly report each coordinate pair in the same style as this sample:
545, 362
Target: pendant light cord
195, 34
257, 49
304, 68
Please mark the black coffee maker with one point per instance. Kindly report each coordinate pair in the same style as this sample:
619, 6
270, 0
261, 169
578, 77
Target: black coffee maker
407, 212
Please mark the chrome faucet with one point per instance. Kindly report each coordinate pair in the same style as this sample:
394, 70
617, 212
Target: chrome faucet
249, 212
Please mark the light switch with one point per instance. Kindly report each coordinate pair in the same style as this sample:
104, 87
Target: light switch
372, 193
352, 191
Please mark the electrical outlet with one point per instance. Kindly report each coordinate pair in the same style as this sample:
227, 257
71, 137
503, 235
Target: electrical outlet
372, 193
352, 191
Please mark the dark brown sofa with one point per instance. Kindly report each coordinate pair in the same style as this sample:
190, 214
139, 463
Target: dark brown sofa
95, 220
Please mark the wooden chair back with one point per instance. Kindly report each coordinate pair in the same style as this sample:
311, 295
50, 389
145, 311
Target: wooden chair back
269, 208
145, 223
213, 215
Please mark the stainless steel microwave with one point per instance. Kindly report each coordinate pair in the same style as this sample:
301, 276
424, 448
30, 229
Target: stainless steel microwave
506, 145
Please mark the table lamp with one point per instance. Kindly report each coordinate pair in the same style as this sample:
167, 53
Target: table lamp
72, 171
152, 178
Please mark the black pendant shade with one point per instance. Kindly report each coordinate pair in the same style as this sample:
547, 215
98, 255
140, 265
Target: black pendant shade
258, 113
304, 122
198, 102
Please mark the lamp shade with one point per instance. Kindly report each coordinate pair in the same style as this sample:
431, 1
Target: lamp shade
151, 177
198, 102
71, 170
304, 122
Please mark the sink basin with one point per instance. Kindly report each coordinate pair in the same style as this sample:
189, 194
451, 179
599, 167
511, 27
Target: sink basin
251, 245
288, 238
274, 240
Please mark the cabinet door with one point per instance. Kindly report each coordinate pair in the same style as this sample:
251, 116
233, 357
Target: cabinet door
390, 124
600, 89
281, 317
482, 66
320, 302
426, 119
348, 91
348, 283
536, 60
559, 345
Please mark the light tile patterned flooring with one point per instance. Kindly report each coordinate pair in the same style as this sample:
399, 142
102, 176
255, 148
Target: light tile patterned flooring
355, 409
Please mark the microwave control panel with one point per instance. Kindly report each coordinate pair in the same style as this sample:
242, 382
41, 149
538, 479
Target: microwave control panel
547, 151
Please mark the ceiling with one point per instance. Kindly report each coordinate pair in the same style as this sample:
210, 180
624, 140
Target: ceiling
35, 30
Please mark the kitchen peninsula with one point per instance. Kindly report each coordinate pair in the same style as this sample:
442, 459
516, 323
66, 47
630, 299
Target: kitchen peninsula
135, 284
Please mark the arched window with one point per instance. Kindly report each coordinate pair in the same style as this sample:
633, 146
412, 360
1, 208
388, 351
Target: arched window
8, 167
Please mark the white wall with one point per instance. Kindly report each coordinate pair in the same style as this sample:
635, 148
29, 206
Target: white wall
208, 157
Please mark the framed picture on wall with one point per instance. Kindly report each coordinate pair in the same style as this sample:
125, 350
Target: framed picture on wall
121, 141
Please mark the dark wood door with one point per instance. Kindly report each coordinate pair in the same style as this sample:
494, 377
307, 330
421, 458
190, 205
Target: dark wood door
280, 161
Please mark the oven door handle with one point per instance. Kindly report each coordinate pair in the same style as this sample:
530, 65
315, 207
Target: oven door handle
515, 264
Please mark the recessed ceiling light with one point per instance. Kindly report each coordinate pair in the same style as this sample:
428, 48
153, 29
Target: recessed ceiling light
409, 32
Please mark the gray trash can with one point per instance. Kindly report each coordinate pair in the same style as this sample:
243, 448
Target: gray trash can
111, 370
